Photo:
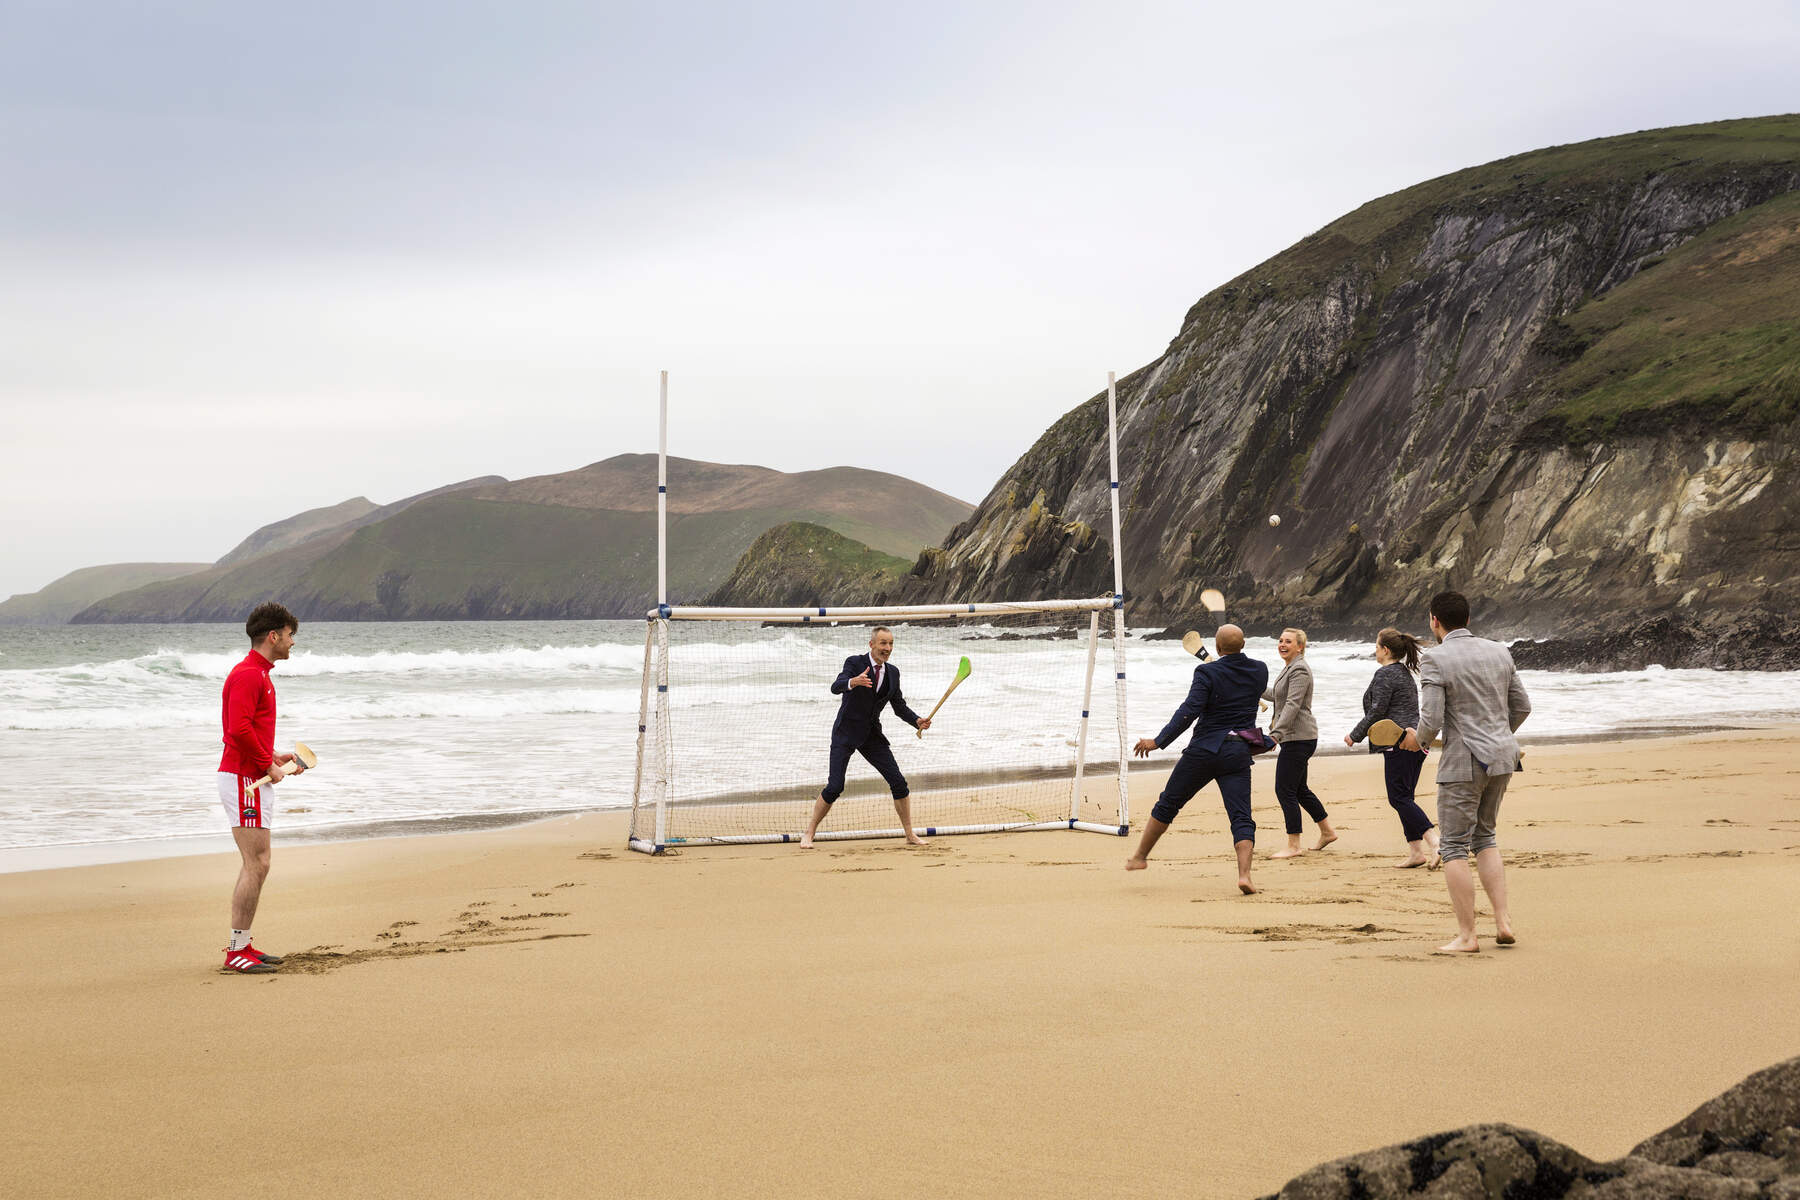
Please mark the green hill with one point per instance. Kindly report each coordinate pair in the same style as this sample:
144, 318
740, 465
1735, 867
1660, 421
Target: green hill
802, 564
56, 602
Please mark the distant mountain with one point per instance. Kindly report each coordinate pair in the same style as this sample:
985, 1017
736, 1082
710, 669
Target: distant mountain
351, 514
282, 534
579, 544
56, 602
888, 512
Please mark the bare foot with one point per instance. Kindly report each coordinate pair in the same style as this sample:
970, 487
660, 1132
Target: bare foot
1245, 886
1411, 863
1505, 937
1436, 863
806, 841
913, 839
1136, 864
1458, 946
1325, 839
1291, 852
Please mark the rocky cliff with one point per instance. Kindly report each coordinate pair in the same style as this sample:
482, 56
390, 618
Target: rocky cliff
1565, 383
1744, 1143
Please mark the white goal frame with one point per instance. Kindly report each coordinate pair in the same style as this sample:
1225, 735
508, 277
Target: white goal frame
653, 781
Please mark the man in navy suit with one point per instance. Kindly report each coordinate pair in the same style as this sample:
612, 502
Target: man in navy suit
867, 682
1222, 698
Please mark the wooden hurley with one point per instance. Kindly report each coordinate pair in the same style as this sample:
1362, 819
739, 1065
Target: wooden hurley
302, 753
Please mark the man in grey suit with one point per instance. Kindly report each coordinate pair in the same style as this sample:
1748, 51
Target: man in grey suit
1470, 691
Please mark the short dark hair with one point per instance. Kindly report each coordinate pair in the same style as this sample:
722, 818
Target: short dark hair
1451, 610
266, 618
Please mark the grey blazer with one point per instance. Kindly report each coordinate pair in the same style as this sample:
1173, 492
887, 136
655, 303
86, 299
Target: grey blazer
1470, 691
1291, 693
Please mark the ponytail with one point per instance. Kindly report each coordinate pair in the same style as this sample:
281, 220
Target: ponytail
1403, 646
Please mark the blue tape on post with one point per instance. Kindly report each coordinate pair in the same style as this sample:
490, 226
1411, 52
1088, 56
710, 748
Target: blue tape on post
641, 728
1084, 716
662, 687
662, 489
821, 610
662, 610
1115, 484
1121, 674
971, 608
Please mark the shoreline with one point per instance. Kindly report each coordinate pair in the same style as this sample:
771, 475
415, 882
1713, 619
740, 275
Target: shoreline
59, 856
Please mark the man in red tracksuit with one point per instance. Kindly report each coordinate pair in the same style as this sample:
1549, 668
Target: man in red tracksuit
248, 715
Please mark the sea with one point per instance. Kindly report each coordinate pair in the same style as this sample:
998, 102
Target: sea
110, 738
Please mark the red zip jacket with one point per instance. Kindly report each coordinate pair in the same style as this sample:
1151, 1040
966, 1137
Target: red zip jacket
248, 714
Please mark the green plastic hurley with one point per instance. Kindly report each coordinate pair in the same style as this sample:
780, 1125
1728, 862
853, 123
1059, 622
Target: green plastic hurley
964, 669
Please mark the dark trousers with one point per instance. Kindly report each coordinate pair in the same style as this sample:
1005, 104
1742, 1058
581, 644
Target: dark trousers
879, 755
1402, 770
1290, 784
1230, 767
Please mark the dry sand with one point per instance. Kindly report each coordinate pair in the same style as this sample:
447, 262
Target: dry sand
540, 1012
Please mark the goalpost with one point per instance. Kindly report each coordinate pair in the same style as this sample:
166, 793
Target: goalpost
735, 715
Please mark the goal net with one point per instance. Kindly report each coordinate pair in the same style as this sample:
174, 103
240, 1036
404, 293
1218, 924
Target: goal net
736, 713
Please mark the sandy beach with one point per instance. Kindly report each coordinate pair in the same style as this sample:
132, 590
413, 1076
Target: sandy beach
537, 1011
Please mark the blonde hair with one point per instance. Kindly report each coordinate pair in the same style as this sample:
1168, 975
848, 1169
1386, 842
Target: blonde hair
1299, 638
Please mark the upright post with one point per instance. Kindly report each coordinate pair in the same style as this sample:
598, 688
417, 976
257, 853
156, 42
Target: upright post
662, 500
1112, 438
1087, 699
665, 761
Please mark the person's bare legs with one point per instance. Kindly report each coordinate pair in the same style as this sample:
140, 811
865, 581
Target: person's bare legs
1461, 882
1293, 848
903, 807
820, 808
1493, 882
1327, 834
253, 847
1153, 831
1244, 850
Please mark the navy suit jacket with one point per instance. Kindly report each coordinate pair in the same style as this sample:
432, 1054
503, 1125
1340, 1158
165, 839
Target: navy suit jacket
1222, 698
859, 714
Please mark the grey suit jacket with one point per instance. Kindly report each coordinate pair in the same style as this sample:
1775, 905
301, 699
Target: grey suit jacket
1291, 694
1470, 691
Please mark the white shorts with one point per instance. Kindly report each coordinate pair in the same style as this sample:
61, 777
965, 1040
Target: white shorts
244, 809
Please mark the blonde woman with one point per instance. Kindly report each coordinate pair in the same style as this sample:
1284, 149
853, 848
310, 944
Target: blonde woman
1294, 729
1393, 695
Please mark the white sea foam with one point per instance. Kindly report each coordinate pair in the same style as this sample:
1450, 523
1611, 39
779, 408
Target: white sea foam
422, 721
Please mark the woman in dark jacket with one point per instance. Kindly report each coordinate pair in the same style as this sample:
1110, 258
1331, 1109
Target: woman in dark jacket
1394, 695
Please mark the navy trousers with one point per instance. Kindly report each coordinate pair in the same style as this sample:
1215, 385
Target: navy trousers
1230, 768
1402, 770
880, 755
1290, 784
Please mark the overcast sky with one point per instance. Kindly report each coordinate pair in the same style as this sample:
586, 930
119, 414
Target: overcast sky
259, 258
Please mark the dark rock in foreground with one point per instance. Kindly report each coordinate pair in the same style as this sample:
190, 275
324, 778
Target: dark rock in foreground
1744, 1143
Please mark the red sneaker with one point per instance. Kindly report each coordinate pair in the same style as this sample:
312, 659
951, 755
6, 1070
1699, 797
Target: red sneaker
274, 960
247, 962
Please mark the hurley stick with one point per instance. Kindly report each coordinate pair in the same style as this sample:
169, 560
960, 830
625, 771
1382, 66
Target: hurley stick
963, 671
302, 752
